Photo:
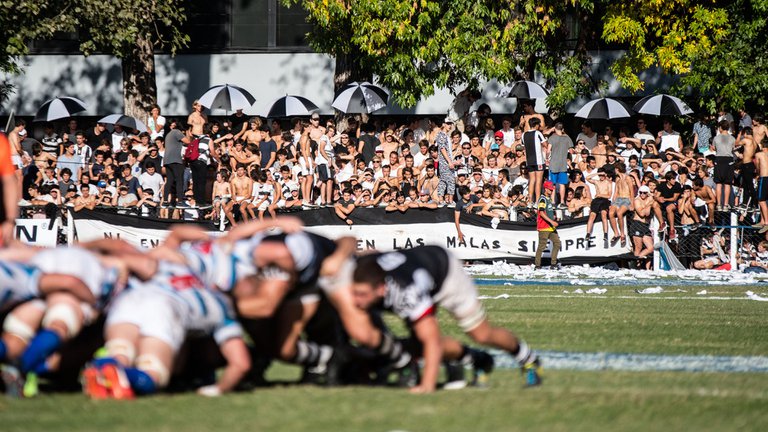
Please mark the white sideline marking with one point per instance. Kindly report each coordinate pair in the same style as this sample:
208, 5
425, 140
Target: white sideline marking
560, 360
637, 297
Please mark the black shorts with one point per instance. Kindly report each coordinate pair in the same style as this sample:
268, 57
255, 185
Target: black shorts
762, 189
664, 205
723, 170
600, 204
639, 229
532, 168
703, 211
324, 172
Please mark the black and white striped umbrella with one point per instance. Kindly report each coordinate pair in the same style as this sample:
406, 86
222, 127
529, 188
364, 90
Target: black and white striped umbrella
227, 97
662, 105
523, 90
125, 121
59, 108
606, 109
289, 106
360, 98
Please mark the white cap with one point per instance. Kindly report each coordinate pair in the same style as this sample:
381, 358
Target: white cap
462, 172
449, 119
644, 189
379, 149
23, 132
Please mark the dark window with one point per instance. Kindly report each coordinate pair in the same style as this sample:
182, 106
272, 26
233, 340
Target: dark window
250, 23
292, 26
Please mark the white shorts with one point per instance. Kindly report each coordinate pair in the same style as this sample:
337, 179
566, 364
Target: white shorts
154, 313
264, 206
458, 296
17, 162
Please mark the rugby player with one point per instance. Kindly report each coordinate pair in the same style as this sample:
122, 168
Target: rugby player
413, 283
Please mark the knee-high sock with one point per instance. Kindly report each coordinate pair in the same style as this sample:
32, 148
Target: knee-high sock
45, 343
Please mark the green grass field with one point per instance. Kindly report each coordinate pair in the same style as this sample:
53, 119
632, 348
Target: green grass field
619, 321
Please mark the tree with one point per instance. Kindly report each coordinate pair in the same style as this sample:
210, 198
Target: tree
127, 29
719, 49
414, 47
131, 30
21, 21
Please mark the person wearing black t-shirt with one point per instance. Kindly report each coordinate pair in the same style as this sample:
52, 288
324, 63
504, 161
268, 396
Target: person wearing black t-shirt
668, 194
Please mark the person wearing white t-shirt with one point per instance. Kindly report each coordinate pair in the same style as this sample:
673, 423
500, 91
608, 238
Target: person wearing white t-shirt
155, 123
670, 139
152, 180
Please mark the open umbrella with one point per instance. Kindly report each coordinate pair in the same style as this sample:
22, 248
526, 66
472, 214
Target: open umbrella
288, 106
125, 121
662, 105
227, 97
360, 98
59, 108
606, 109
523, 90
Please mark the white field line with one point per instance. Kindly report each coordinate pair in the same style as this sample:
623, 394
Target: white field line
594, 296
558, 360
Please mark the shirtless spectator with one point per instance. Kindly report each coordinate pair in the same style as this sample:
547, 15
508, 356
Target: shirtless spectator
621, 203
242, 188
253, 135
761, 165
748, 149
221, 196
639, 227
429, 183
85, 200
704, 199
601, 204
197, 119
686, 208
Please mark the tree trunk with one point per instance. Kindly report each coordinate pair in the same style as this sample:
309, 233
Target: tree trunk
139, 86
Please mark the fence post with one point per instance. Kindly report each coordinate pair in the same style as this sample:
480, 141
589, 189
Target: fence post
734, 241
70, 228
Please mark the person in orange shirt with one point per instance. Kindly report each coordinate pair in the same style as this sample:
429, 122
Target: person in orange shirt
9, 197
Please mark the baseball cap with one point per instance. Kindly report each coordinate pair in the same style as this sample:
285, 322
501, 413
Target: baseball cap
462, 172
449, 119
101, 183
520, 147
293, 188
645, 189
494, 146
379, 149
23, 132
72, 188
315, 116
549, 185
499, 134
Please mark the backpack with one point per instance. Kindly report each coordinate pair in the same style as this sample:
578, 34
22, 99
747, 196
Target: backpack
193, 151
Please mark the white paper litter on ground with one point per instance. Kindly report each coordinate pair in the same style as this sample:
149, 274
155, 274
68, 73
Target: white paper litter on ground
578, 291
598, 275
753, 296
597, 291
655, 290
702, 292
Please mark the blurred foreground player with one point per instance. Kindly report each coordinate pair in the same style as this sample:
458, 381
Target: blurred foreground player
412, 283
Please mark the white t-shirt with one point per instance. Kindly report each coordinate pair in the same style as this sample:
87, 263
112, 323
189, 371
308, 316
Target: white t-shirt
151, 125
154, 182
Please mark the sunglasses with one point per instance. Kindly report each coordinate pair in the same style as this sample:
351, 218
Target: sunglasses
466, 148
497, 139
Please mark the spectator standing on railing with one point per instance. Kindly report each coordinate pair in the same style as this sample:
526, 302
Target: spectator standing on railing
560, 144
724, 143
761, 166
546, 225
446, 186
536, 146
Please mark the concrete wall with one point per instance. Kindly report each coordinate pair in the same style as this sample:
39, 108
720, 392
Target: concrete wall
97, 80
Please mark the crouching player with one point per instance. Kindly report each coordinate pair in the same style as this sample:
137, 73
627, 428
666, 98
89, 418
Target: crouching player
79, 284
148, 324
412, 284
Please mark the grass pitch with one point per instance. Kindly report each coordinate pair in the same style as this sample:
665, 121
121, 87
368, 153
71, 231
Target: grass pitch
618, 321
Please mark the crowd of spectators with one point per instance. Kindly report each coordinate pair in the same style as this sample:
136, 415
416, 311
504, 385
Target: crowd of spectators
240, 168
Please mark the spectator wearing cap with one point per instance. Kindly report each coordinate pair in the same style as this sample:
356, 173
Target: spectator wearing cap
639, 227
546, 225
476, 180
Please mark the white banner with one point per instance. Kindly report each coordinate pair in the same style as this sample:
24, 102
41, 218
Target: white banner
36, 232
480, 243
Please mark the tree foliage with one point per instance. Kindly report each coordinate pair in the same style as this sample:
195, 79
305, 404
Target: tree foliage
415, 46
719, 49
